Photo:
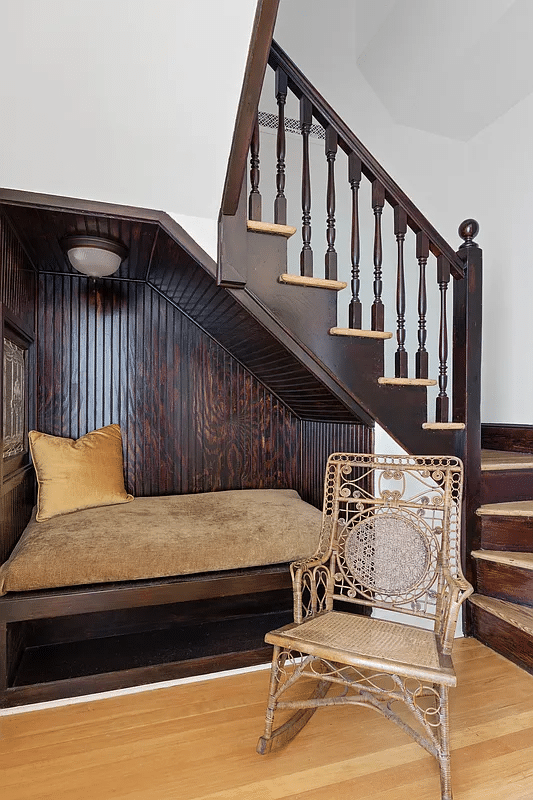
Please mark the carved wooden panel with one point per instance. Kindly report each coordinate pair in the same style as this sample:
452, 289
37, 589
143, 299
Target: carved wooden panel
15, 392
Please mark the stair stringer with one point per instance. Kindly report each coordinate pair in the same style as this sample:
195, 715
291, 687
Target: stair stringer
354, 363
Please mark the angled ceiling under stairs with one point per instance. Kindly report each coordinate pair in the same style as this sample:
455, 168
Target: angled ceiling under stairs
164, 256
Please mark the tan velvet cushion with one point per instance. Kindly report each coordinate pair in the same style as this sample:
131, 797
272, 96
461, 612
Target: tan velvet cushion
159, 536
73, 474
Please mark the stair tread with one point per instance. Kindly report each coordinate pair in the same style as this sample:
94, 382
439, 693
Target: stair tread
407, 382
270, 227
507, 557
443, 426
520, 508
358, 332
504, 460
517, 615
316, 283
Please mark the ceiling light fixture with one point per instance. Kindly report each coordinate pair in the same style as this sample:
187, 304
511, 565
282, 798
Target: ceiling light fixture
94, 256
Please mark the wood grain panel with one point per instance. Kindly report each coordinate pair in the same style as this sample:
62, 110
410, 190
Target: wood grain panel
15, 506
506, 639
194, 419
514, 533
505, 582
513, 438
319, 440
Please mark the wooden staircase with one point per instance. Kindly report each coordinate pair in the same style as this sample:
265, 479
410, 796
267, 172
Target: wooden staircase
502, 607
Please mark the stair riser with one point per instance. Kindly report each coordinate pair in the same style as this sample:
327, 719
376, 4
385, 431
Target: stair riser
505, 582
506, 486
511, 642
507, 533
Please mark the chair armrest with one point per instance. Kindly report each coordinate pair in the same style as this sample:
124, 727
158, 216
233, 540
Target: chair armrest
454, 592
311, 585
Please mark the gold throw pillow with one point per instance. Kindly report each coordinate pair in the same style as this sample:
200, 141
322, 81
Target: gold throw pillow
73, 474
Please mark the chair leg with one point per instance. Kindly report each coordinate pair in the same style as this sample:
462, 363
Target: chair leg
444, 758
278, 738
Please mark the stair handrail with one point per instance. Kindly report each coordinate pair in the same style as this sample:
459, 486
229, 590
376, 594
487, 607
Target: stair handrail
348, 141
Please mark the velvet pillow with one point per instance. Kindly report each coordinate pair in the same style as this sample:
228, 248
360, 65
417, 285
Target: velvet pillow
74, 474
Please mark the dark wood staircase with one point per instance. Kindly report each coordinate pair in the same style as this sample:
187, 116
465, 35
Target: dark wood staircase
502, 606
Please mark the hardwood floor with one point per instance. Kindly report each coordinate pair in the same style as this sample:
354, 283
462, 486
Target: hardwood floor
197, 742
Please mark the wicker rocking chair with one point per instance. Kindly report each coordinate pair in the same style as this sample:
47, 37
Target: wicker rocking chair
389, 543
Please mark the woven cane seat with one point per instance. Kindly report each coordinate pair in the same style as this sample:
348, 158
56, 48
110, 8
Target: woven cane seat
375, 644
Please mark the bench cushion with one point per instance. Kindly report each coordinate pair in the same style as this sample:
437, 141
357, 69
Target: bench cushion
154, 537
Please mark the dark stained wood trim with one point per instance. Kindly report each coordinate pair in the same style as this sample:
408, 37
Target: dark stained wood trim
513, 438
59, 602
373, 170
258, 53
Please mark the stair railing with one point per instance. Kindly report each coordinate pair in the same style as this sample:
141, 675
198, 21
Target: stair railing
361, 164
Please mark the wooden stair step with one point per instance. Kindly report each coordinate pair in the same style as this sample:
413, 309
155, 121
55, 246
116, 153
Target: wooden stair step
407, 382
443, 426
315, 283
505, 574
361, 334
519, 616
501, 460
505, 627
507, 526
507, 557
522, 508
270, 227
507, 477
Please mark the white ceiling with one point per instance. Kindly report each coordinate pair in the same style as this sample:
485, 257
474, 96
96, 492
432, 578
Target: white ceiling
449, 67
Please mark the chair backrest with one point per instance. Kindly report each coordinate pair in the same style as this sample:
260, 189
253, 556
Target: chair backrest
391, 528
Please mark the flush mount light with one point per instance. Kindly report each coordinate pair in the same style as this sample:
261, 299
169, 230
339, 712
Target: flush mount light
94, 256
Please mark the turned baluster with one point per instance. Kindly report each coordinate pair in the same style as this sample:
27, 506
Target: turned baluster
280, 203
443, 402
401, 357
378, 309
306, 256
331, 253
355, 316
422, 254
254, 201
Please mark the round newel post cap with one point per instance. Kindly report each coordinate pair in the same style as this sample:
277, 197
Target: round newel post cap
468, 230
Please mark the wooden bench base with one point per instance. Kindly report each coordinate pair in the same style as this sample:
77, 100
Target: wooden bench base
74, 641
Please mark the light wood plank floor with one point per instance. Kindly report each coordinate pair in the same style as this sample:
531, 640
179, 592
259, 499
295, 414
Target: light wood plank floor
197, 742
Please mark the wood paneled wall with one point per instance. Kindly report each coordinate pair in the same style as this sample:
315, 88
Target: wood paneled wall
18, 296
193, 418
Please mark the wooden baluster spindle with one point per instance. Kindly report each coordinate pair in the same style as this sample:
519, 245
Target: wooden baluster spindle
443, 402
355, 315
422, 254
401, 357
378, 309
306, 256
280, 203
331, 253
254, 201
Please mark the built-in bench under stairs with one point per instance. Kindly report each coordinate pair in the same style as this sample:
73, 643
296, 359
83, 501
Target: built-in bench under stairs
502, 606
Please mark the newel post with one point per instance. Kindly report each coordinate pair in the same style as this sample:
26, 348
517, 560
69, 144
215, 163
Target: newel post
467, 312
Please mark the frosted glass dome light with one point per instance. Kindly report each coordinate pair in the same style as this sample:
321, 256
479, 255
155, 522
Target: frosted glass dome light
95, 256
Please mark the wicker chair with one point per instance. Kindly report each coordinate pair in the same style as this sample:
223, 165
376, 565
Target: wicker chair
389, 543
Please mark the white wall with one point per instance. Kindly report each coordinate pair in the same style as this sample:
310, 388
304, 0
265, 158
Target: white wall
126, 101
500, 167
489, 177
